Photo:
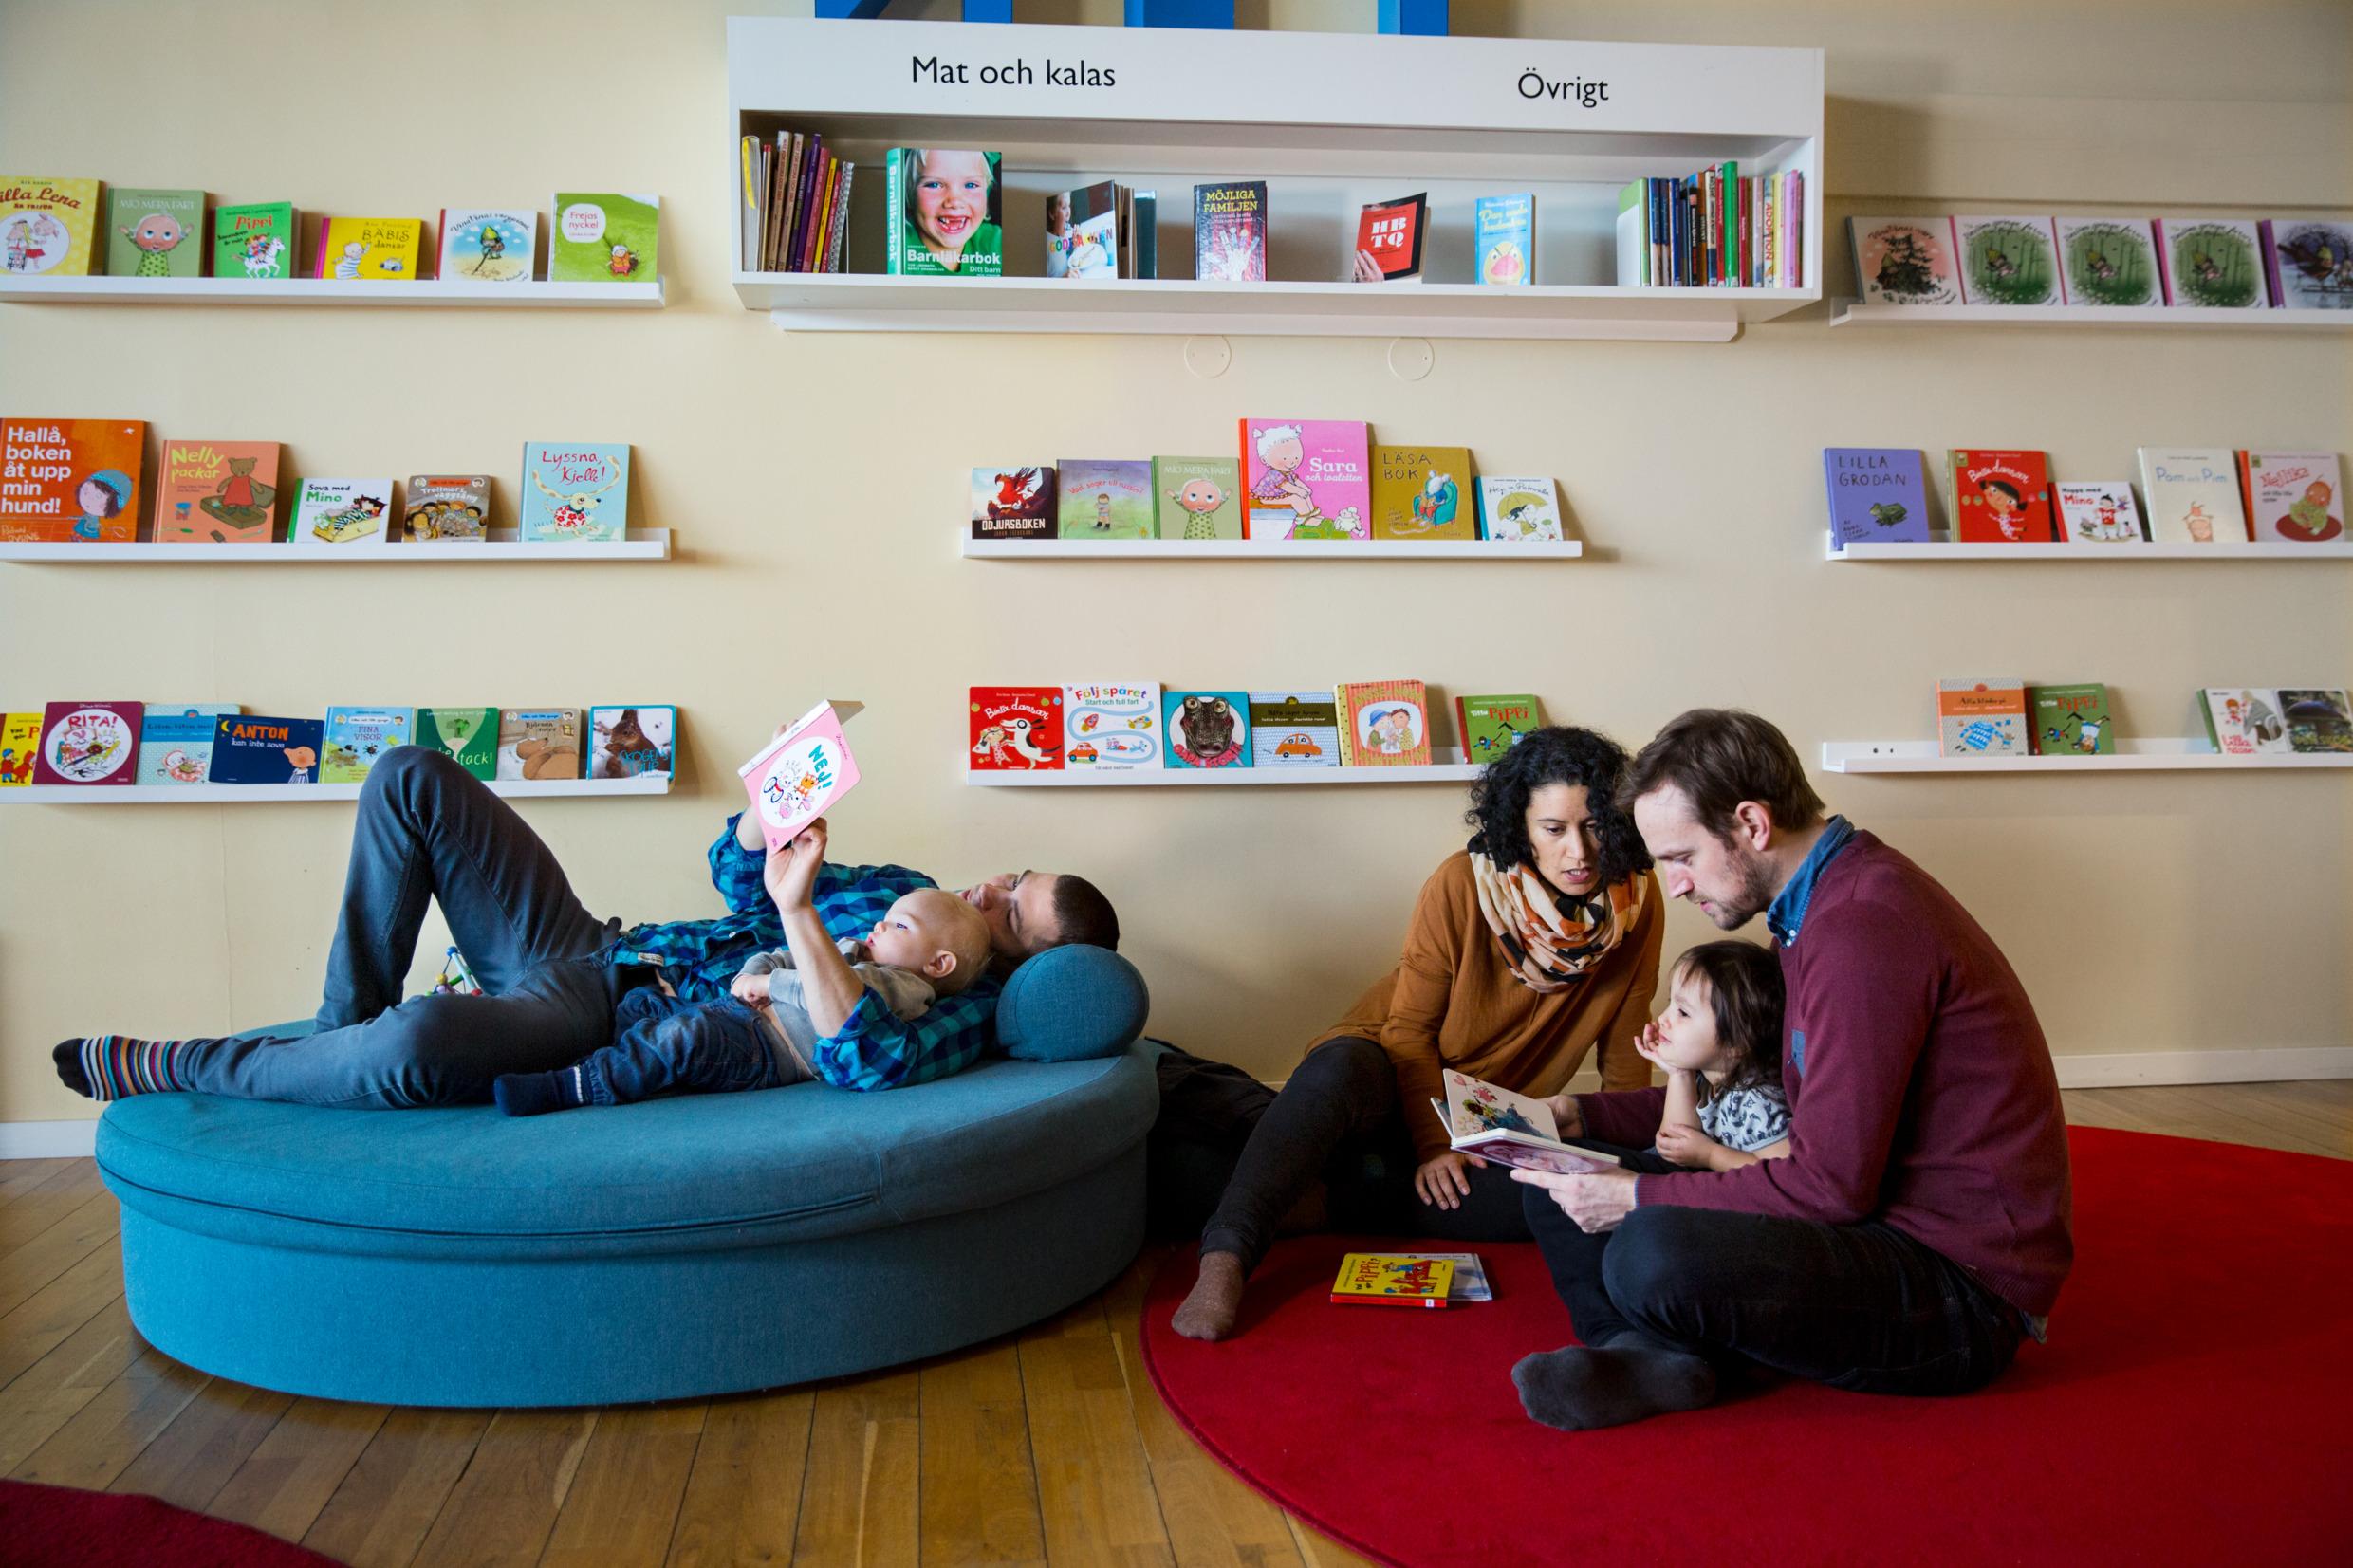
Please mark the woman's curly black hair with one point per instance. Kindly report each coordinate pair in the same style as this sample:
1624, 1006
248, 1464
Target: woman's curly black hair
1555, 754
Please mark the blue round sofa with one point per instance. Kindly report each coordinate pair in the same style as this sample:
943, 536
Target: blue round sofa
684, 1247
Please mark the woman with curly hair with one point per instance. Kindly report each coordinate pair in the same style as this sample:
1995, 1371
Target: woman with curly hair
1536, 943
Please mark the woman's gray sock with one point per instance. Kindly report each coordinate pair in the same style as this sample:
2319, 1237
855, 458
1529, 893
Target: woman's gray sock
1631, 1378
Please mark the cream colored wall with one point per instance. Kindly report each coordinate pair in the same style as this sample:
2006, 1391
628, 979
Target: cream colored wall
816, 482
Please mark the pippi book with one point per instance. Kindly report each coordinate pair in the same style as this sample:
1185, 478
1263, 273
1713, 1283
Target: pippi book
1112, 727
631, 743
88, 743
2193, 494
1294, 729
1878, 495
2292, 498
1384, 724
356, 740
2100, 512
20, 748
1380, 1278
2000, 497
1013, 503
368, 250
2006, 260
1424, 492
252, 751
469, 734
1981, 718
1502, 236
1390, 233
486, 245
602, 237
1905, 260
175, 743
2307, 261
575, 492
2108, 261
437, 507
1104, 498
2071, 721
1490, 726
1208, 728
796, 777
216, 493
1014, 729
48, 227
541, 743
1199, 498
2243, 721
154, 234
71, 480
944, 213
1230, 232
1306, 479
255, 240
2215, 263
343, 511
1519, 511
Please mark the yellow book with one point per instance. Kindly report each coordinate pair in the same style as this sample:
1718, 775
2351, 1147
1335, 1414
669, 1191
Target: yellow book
365, 249
47, 226
1385, 1279
20, 743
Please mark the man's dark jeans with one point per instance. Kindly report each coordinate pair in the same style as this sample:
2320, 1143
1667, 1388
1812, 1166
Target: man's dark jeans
1856, 1306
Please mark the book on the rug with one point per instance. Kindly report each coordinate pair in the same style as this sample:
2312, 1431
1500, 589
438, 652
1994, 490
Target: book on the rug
1878, 495
1981, 718
1014, 729
1999, 497
1206, 728
1503, 239
1306, 479
1014, 503
2071, 721
1519, 511
2099, 512
1490, 726
541, 743
216, 493
1496, 1124
943, 212
605, 236
574, 492
1230, 232
1197, 498
255, 240
48, 227
1389, 239
2193, 494
2243, 721
1112, 725
88, 743
2309, 262
1470, 1283
1424, 493
341, 512
2320, 722
469, 734
2292, 498
1294, 729
442, 508
1383, 723
1104, 498
1380, 1278
175, 742
2108, 262
154, 234
798, 775
355, 738
72, 480
2212, 264
247, 750
1905, 260
20, 748
367, 249
633, 741
2006, 260
1082, 231
487, 244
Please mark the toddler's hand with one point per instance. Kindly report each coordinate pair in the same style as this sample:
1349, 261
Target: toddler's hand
1687, 1145
751, 990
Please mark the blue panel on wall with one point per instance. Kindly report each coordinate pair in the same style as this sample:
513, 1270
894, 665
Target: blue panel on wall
987, 10
1181, 13
844, 10
1421, 18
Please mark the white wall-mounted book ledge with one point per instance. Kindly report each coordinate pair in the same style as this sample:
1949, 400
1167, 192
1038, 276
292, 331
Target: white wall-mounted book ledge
2335, 549
501, 544
1453, 771
514, 789
1268, 549
1855, 313
423, 294
2168, 754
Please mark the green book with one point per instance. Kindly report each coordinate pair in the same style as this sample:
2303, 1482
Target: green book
469, 734
2071, 721
255, 241
1491, 726
599, 237
154, 234
1199, 498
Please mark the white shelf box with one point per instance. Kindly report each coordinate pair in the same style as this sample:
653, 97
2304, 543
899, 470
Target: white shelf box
2135, 318
2170, 754
423, 294
1330, 122
641, 545
1453, 771
1267, 549
216, 794
2102, 554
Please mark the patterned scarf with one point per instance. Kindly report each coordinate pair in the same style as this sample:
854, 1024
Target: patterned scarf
1548, 938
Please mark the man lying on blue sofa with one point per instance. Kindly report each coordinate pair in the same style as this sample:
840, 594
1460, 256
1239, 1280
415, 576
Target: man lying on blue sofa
551, 973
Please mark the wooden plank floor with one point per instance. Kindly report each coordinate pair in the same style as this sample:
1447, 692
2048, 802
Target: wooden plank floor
1048, 1447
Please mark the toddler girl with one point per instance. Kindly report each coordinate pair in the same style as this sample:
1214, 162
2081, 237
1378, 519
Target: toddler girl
1719, 1041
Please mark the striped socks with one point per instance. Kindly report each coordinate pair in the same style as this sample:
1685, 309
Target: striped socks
113, 1066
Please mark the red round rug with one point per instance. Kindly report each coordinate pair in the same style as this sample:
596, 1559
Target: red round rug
64, 1527
2191, 1407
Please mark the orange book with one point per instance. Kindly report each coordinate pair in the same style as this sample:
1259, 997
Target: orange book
71, 481
217, 492
1381, 1279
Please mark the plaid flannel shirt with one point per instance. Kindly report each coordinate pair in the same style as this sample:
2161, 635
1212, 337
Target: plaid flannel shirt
873, 1049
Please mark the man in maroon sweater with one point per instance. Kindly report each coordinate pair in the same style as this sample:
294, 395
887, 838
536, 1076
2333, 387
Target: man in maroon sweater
1917, 1225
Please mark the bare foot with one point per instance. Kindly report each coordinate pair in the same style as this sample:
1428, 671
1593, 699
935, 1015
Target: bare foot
1216, 1299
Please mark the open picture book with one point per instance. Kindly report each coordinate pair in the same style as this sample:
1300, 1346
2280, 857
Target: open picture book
801, 773
1496, 1124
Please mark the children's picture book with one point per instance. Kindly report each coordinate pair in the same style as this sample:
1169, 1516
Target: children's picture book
2309, 262
356, 739
2193, 494
575, 492
2318, 722
1905, 260
1197, 498
2108, 261
436, 508
89, 743
216, 493
1014, 503
255, 240
469, 734
1208, 728
599, 236
175, 742
1424, 492
368, 250
487, 244
48, 227
72, 480
1981, 718
1496, 1124
1380, 1278
1112, 727
797, 776
943, 212
20, 748
2292, 498
2099, 512
1293, 729
1014, 729
343, 511
2243, 721
1104, 498
2071, 721
633, 741
1878, 495
154, 234
541, 743
253, 750
1384, 724
1082, 232
1503, 239
2000, 497
1230, 232
2214, 264
1519, 511
2006, 260
1490, 726
1470, 1283
1389, 239
1306, 479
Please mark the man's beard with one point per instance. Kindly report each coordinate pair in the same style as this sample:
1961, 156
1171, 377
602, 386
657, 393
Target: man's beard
1754, 897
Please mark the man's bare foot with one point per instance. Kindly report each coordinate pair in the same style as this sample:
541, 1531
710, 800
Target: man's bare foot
1217, 1300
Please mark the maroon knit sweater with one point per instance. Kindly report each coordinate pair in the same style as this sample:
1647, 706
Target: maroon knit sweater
1921, 1090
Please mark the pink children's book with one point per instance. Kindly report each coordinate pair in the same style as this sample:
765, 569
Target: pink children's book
1308, 479
799, 775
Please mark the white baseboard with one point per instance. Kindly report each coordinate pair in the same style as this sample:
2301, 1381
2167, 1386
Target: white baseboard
48, 1140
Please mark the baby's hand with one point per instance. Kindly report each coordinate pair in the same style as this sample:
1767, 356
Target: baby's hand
1687, 1145
1646, 1045
751, 989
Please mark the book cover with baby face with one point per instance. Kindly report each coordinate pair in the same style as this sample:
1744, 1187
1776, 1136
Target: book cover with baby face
1306, 479
217, 492
1014, 729
247, 750
1112, 725
1200, 498
368, 250
2293, 498
2000, 497
1106, 498
575, 492
1208, 728
71, 481
154, 234
1424, 492
89, 743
